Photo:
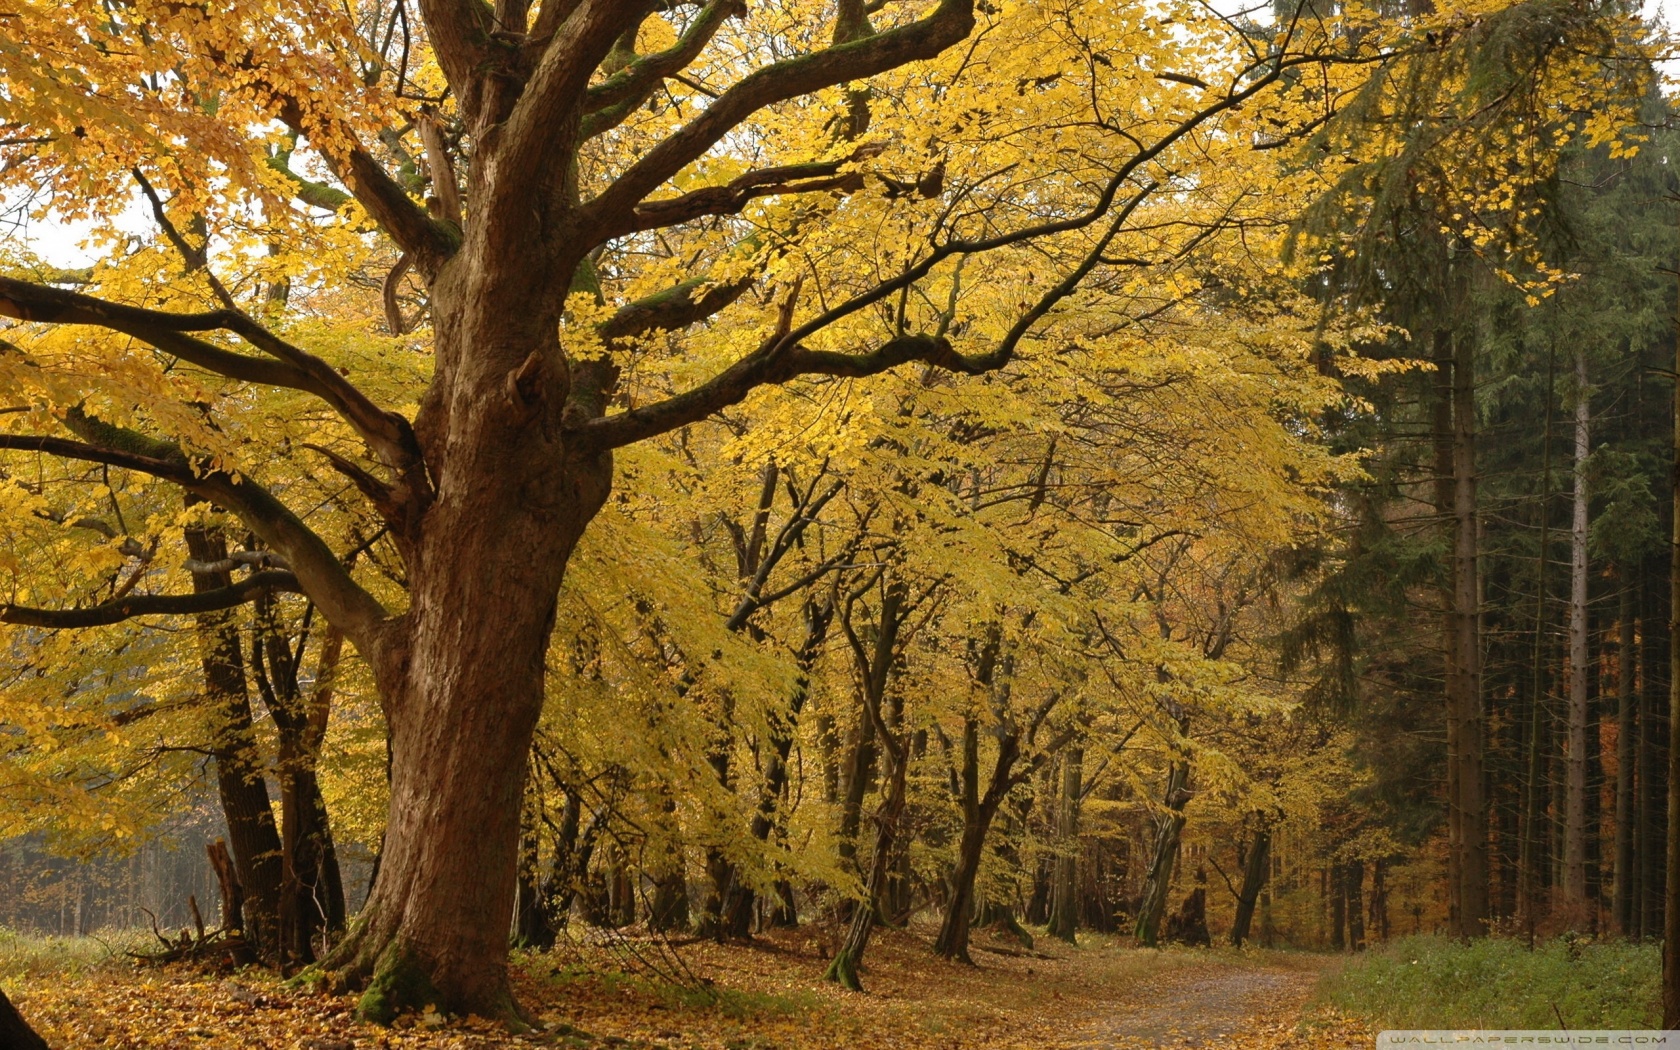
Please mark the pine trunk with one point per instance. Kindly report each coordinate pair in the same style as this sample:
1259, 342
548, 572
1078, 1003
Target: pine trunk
1671, 894
1621, 896
1467, 807
1575, 747
1532, 816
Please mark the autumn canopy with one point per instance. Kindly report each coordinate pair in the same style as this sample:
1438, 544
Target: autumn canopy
725, 465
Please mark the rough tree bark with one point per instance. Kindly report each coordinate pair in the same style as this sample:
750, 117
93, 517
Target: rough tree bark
1257, 865
1575, 747
1064, 871
252, 834
15, 1033
1169, 823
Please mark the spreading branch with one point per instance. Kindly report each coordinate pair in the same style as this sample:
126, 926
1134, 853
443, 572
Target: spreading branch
320, 573
289, 366
133, 605
791, 78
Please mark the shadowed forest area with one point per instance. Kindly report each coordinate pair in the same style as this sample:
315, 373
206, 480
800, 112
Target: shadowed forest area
902, 523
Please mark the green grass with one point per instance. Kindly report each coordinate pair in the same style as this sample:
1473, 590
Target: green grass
1428, 982
29, 955
732, 1003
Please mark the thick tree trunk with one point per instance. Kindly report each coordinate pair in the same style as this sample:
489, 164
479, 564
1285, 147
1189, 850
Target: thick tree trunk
15, 1033
252, 834
1575, 747
1257, 866
1168, 826
1064, 872
464, 685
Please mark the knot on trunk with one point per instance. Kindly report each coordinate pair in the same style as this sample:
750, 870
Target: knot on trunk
525, 386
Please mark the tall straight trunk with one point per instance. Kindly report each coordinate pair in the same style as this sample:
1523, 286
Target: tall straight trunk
1464, 676
1575, 745
253, 836
1622, 897
1441, 439
1671, 889
1064, 878
1652, 784
1255, 868
1532, 817
1168, 827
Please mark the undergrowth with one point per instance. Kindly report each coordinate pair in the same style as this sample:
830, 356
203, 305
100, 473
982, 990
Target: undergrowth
1432, 982
25, 954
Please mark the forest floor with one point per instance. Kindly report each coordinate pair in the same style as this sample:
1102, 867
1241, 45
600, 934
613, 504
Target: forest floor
643, 994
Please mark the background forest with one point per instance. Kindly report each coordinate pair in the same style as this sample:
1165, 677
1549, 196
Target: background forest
1251, 523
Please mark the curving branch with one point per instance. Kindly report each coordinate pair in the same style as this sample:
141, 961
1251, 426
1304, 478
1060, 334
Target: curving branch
734, 195
860, 59
322, 576
783, 357
387, 432
679, 306
542, 128
608, 103
106, 613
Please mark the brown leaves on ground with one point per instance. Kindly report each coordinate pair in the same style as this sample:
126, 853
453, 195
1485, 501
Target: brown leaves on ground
768, 995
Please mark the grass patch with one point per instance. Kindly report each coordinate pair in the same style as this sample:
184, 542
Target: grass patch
29, 955
733, 1003
1430, 982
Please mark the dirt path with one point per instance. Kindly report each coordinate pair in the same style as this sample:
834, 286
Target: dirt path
1216, 1006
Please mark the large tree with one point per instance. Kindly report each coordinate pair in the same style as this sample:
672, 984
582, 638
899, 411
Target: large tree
563, 146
